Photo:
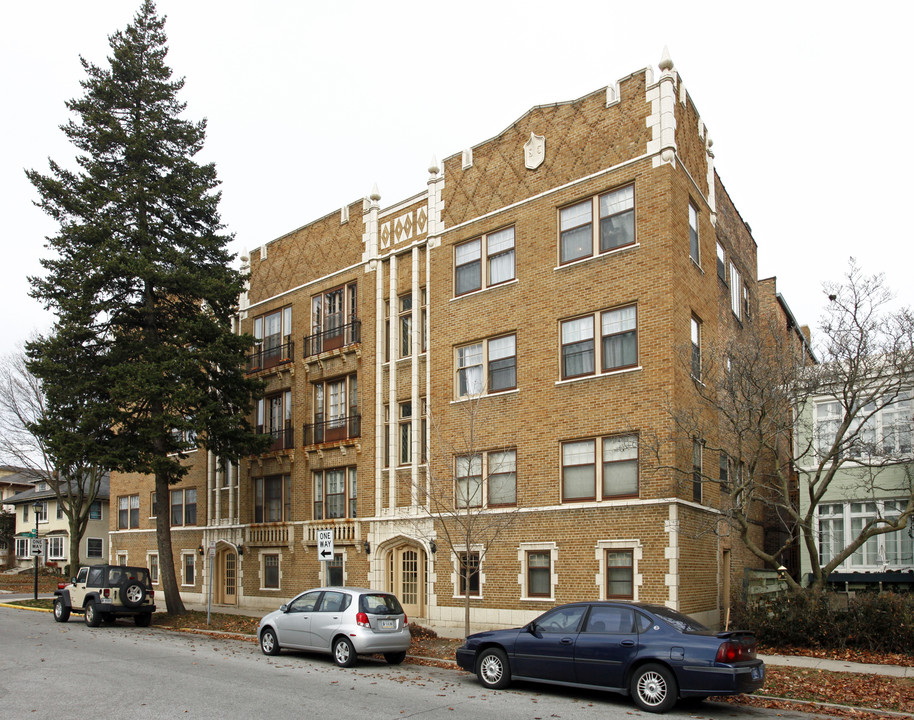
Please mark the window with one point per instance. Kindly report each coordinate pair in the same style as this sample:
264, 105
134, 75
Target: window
578, 238
94, 547
334, 320
747, 304
335, 493
273, 338
273, 499
488, 366
724, 475
121, 559
497, 248
886, 431
735, 290
153, 561
128, 512
274, 418
188, 560
406, 433
620, 466
499, 468
406, 325
618, 347
696, 348
184, 507
577, 347
696, 470
270, 572
693, 234
620, 574
839, 523
336, 411
620, 338
614, 458
721, 263
42, 513
56, 547
95, 510
335, 571
59, 511
539, 574
829, 416
23, 546
468, 574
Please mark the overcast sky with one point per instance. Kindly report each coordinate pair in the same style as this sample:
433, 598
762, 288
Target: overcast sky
311, 103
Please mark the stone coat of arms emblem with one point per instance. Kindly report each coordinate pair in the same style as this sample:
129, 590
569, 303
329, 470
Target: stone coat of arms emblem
534, 151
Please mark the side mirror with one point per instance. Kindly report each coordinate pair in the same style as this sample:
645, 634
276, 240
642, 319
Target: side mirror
531, 628
283, 608
73, 581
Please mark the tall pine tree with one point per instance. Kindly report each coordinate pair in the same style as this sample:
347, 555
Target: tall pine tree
140, 279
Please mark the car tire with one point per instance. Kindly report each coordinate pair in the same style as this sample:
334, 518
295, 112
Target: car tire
61, 611
394, 658
132, 593
343, 652
93, 616
143, 619
269, 645
492, 669
653, 688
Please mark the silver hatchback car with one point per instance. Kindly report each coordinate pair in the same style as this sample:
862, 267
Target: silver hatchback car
342, 621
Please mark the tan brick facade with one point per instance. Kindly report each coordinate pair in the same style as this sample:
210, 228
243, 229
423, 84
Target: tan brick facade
363, 330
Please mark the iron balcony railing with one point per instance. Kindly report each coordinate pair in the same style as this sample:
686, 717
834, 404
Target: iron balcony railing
324, 431
281, 438
269, 357
333, 338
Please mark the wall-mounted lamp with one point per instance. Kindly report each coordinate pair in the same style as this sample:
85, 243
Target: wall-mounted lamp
366, 546
240, 550
199, 549
432, 546
782, 573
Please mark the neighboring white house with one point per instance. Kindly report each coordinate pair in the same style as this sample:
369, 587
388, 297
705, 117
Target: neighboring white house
53, 527
874, 482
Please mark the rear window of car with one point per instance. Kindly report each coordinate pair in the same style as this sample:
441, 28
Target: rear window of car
680, 622
380, 604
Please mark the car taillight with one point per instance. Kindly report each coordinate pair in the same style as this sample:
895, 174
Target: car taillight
405, 620
151, 594
61, 585
106, 592
733, 651
361, 619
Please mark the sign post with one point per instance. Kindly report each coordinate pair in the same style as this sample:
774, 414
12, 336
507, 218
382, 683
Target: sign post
209, 602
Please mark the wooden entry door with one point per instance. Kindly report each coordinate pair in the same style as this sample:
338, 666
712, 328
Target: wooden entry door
226, 581
407, 571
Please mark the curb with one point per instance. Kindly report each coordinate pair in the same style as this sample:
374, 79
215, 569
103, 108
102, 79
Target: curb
25, 607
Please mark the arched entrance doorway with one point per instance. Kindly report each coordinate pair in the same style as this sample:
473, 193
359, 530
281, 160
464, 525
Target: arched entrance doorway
406, 574
225, 576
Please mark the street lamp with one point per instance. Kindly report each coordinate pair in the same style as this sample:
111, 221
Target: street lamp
36, 506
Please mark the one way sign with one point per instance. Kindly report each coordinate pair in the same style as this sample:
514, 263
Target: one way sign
325, 544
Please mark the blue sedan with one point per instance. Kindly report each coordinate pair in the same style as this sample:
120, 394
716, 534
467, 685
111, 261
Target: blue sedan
655, 654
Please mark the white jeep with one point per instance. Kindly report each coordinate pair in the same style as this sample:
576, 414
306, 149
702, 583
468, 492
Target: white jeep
104, 593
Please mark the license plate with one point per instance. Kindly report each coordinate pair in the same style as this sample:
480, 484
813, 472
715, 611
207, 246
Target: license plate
757, 673
388, 624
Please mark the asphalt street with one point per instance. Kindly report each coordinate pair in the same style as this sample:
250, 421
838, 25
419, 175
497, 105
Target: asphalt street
52, 670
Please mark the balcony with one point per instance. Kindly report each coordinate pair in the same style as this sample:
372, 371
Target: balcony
334, 430
270, 357
344, 530
268, 535
333, 338
280, 439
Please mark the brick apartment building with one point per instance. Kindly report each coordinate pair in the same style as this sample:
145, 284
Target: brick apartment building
536, 297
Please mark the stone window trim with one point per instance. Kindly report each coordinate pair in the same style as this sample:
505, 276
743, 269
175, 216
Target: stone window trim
523, 550
457, 551
602, 546
261, 569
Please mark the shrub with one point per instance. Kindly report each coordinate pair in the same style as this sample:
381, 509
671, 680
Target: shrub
880, 622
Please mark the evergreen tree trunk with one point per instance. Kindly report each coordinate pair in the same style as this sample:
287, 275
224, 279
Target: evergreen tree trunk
167, 575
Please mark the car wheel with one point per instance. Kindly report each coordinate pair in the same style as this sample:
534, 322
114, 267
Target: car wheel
93, 618
132, 593
343, 652
395, 658
143, 619
493, 670
61, 611
269, 645
653, 688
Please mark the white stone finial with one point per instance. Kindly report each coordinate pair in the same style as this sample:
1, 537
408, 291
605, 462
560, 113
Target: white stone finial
375, 193
245, 256
433, 168
666, 62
